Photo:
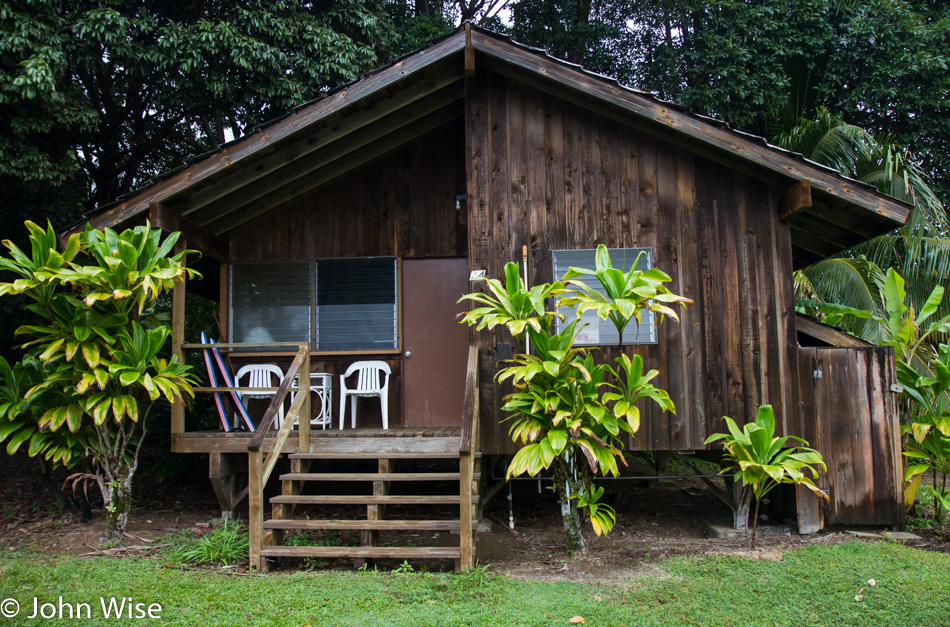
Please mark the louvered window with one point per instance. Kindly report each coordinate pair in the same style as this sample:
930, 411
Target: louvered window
335, 304
356, 304
270, 301
600, 332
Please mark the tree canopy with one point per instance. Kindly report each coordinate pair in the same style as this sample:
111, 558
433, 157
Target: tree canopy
107, 94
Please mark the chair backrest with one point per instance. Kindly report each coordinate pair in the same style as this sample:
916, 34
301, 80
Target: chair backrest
259, 375
367, 379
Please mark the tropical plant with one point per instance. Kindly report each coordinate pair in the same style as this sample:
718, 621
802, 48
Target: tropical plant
762, 462
919, 251
927, 437
512, 305
626, 295
567, 410
93, 355
226, 545
895, 322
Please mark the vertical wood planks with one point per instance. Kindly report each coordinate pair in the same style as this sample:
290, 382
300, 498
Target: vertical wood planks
402, 204
850, 416
671, 349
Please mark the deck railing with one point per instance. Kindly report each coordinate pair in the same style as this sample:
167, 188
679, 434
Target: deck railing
468, 449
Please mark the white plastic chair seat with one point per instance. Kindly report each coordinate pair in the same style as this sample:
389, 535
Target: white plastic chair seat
261, 376
372, 380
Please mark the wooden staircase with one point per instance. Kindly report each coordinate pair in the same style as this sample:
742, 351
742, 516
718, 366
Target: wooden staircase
386, 449
386, 452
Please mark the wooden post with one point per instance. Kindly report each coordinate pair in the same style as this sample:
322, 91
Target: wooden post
255, 516
224, 470
466, 558
223, 308
303, 423
178, 337
375, 512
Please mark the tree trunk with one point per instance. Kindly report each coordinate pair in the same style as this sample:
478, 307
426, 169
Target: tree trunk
567, 485
755, 523
742, 496
117, 499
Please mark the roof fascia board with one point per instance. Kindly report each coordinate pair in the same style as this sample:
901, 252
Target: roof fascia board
232, 154
666, 117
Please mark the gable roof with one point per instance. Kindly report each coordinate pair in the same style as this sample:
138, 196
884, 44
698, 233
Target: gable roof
424, 91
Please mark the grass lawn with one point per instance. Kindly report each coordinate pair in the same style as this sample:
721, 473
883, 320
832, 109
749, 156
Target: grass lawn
815, 585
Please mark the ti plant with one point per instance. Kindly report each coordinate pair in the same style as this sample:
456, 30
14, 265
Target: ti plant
626, 295
927, 438
762, 461
568, 411
94, 367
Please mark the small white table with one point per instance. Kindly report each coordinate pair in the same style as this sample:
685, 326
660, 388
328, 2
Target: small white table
321, 384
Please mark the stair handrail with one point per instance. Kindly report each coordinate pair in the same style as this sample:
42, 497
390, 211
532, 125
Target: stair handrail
263, 427
469, 439
468, 444
258, 469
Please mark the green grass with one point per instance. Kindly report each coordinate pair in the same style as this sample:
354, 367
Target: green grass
812, 586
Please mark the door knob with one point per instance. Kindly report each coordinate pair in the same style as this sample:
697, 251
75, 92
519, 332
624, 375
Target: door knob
408, 354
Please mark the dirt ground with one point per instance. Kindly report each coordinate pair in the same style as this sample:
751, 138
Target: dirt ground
655, 520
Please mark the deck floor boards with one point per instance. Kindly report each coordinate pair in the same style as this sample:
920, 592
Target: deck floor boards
236, 442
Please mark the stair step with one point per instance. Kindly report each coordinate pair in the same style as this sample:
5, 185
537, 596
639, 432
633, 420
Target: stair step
384, 525
402, 454
307, 499
382, 552
373, 476
385, 447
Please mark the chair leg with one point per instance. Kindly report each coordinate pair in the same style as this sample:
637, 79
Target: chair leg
384, 408
342, 409
353, 412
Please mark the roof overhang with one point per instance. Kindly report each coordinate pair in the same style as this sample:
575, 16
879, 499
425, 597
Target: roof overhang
423, 92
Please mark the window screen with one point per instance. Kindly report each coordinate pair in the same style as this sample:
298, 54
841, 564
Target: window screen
356, 304
270, 301
598, 331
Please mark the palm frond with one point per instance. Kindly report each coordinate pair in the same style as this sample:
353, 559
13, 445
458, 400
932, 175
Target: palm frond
855, 282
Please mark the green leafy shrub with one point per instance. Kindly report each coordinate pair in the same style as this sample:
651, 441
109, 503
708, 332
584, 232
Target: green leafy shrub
226, 545
567, 411
763, 461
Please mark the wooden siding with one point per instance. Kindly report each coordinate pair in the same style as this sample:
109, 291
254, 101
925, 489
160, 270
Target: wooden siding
850, 416
402, 205
547, 174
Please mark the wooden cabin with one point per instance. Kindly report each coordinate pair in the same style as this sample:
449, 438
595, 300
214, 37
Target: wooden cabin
347, 231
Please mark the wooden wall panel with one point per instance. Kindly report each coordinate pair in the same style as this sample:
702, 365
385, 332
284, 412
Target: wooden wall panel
549, 175
402, 204
857, 432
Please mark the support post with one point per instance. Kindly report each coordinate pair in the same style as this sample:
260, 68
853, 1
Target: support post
303, 423
466, 548
224, 470
255, 516
375, 512
178, 337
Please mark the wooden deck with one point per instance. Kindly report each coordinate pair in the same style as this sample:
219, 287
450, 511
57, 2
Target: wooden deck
237, 442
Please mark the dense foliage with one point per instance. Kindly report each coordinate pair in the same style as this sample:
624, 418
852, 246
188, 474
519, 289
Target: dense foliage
568, 411
111, 93
93, 368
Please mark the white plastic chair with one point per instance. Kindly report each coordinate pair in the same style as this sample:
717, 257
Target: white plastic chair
261, 376
367, 384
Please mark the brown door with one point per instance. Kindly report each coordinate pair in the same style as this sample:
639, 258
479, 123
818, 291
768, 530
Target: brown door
435, 345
